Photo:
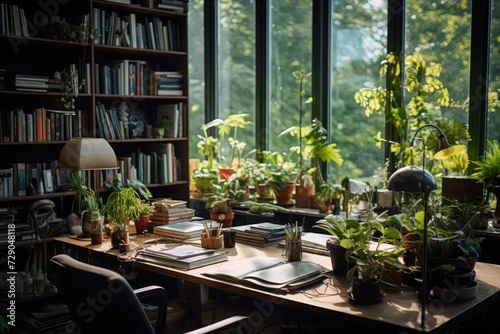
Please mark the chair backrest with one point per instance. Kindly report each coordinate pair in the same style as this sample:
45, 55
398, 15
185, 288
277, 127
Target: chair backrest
99, 300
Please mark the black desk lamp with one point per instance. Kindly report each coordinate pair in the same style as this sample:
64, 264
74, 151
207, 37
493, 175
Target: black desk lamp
415, 179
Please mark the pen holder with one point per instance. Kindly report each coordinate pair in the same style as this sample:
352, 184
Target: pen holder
293, 249
214, 241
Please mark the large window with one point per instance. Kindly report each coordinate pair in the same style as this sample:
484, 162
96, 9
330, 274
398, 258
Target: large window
359, 37
440, 31
196, 51
493, 123
291, 50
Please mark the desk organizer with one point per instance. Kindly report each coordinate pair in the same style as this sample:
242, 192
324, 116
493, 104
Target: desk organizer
214, 241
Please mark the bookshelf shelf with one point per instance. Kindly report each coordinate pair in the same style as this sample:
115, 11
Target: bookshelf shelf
24, 53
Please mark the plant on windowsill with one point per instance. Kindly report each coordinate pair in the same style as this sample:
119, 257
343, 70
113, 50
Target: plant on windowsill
282, 172
219, 203
260, 211
227, 141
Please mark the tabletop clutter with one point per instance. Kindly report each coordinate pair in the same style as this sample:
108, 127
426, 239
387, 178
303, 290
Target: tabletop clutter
212, 236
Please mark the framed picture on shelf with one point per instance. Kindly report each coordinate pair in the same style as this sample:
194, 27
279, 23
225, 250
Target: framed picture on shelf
47, 181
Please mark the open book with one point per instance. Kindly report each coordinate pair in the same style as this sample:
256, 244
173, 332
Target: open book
271, 273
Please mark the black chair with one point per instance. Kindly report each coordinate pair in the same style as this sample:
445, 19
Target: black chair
102, 301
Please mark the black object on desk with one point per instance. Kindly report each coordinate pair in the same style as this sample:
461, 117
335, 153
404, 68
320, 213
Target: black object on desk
229, 238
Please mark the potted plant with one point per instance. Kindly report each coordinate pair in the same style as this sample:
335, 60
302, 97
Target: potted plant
328, 191
226, 128
371, 260
121, 208
281, 171
219, 204
161, 127
145, 211
344, 232
487, 172
85, 202
451, 276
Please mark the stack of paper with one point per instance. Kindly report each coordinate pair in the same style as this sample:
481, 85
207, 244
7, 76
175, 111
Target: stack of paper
260, 234
181, 256
180, 231
168, 210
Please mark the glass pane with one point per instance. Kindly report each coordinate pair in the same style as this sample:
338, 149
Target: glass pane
291, 49
494, 78
237, 66
359, 35
440, 33
196, 73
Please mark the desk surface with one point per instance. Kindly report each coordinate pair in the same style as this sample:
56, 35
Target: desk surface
330, 299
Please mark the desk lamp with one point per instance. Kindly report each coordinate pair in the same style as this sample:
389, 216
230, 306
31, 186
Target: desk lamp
415, 179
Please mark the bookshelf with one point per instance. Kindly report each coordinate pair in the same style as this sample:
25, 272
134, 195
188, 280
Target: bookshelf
118, 94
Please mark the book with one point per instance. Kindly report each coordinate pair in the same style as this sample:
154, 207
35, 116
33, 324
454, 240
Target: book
185, 263
268, 227
181, 230
178, 252
270, 273
166, 205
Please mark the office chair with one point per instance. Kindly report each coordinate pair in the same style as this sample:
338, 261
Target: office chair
102, 301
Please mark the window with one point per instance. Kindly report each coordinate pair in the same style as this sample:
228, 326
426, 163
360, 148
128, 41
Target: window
493, 122
291, 49
359, 35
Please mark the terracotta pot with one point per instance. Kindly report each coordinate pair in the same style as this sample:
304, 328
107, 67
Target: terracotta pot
141, 224
284, 196
225, 173
325, 206
225, 218
263, 193
301, 196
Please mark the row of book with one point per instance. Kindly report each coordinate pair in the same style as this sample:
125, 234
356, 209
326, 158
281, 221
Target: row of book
112, 125
135, 31
13, 20
21, 179
154, 163
40, 125
135, 77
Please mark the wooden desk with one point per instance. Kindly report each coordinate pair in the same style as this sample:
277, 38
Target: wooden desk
398, 311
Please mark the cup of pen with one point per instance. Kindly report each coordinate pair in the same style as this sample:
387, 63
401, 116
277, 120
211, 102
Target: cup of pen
293, 245
212, 237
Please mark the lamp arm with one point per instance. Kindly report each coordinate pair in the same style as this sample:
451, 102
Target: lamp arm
441, 133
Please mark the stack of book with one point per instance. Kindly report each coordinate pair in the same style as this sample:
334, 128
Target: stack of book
169, 211
181, 256
168, 83
28, 82
260, 234
180, 231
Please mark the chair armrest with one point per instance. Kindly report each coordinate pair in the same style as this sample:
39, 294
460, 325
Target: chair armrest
158, 293
231, 322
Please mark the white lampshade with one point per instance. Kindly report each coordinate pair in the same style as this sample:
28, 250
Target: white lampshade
87, 154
